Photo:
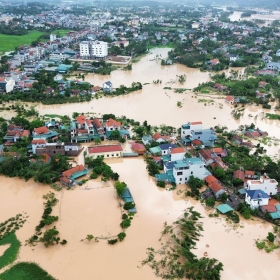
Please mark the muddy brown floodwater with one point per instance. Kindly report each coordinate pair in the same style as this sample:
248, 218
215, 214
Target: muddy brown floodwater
93, 209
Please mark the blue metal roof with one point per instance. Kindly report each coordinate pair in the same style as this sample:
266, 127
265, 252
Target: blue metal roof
257, 194
166, 146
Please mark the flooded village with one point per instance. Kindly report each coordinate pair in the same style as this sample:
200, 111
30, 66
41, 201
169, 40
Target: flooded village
129, 153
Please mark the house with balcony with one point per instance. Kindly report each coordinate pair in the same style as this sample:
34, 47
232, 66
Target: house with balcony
98, 126
82, 129
187, 128
265, 184
111, 125
14, 133
179, 171
108, 87
206, 137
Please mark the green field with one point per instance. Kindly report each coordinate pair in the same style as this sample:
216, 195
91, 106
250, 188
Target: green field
25, 271
10, 42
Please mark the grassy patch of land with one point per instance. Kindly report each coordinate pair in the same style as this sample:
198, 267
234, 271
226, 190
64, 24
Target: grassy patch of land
11, 253
10, 42
25, 271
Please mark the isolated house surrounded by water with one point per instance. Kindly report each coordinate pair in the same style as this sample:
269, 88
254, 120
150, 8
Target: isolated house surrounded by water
106, 151
68, 177
108, 87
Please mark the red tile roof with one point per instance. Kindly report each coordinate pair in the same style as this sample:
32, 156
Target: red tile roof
196, 142
215, 187
41, 130
112, 122
97, 123
210, 179
105, 149
138, 147
270, 208
206, 154
239, 174
89, 122
25, 133
177, 150
249, 173
229, 98
81, 119
156, 136
73, 170
38, 141
194, 123
218, 150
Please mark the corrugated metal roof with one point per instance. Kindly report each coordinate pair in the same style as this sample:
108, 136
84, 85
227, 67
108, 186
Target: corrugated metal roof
224, 208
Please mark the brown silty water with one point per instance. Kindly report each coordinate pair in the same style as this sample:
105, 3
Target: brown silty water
94, 209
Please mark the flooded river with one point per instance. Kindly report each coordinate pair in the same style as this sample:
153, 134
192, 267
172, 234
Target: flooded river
93, 209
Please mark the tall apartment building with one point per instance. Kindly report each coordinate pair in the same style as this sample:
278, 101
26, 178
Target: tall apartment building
93, 49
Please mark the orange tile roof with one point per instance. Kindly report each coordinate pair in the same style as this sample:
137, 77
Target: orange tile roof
41, 130
218, 150
229, 98
196, 142
210, 179
156, 136
25, 133
177, 150
73, 170
81, 119
270, 208
248, 172
38, 141
194, 123
97, 123
215, 187
112, 122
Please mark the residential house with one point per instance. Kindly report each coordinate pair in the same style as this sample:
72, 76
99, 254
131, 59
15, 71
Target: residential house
233, 57
147, 139
181, 170
273, 66
237, 139
206, 156
15, 132
206, 136
233, 201
108, 87
249, 174
111, 125
220, 87
262, 84
166, 148
44, 133
269, 186
98, 126
214, 62
106, 151
69, 176
256, 198
230, 99
187, 128
177, 153
214, 184
37, 143
138, 148
160, 138
239, 174
52, 149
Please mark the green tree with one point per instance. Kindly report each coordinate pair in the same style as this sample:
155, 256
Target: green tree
36, 123
270, 237
49, 237
120, 187
210, 202
161, 184
115, 135
223, 197
219, 173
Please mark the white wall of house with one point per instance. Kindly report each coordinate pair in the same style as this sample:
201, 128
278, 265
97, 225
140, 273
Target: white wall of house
269, 186
35, 146
255, 203
116, 154
187, 131
182, 176
177, 156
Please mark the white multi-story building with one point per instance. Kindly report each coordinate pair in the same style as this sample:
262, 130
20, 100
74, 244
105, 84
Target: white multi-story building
52, 37
93, 49
269, 186
187, 128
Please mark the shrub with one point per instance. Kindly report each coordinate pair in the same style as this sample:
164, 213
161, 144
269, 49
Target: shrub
93, 175
125, 223
270, 237
129, 205
124, 216
63, 242
121, 236
210, 202
161, 184
112, 241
